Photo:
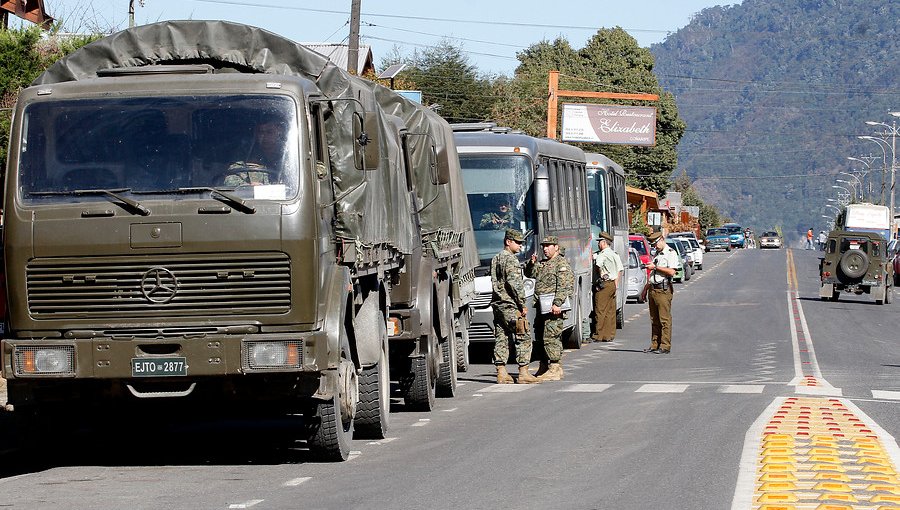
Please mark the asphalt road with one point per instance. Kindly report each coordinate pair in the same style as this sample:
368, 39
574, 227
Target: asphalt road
623, 430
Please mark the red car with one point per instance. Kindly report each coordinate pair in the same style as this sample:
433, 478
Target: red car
640, 243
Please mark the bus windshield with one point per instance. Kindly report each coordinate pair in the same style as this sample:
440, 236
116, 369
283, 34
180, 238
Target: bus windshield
499, 192
596, 184
160, 145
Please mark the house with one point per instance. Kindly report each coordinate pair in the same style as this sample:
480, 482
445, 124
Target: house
29, 10
337, 53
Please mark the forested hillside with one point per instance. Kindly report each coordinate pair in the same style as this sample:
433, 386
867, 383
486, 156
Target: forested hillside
774, 94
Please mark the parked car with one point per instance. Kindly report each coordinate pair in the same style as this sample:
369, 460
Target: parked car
636, 278
894, 252
680, 270
642, 246
770, 239
695, 248
718, 239
688, 255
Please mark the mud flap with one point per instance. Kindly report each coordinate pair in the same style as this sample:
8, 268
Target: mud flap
826, 291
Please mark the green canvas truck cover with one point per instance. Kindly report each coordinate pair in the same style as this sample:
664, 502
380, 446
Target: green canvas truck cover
372, 208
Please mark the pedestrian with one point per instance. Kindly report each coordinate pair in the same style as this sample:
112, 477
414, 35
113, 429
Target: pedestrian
510, 312
809, 239
608, 269
662, 269
553, 288
823, 237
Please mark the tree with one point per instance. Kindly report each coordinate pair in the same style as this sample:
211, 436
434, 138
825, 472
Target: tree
449, 83
610, 61
24, 55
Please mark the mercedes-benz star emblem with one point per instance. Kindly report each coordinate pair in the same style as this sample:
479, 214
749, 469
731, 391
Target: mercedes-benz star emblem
159, 285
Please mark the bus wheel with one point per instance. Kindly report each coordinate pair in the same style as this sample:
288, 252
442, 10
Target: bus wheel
575, 337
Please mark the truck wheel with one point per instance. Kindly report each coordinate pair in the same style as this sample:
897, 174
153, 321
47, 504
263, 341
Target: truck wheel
446, 383
620, 318
331, 421
420, 384
462, 344
575, 337
373, 411
854, 263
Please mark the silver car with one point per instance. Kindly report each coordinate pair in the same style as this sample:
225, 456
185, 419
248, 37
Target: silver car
637, 277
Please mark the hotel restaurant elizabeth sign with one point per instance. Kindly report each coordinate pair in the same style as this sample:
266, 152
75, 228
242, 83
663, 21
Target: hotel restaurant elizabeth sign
612, 124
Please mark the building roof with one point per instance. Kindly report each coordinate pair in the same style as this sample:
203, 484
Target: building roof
29, 10
337, 54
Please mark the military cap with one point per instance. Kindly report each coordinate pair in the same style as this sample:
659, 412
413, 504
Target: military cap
514, 235
550, 240
605, 235
655, 237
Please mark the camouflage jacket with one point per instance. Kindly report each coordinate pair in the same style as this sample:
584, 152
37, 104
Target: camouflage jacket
552, 276
506, 279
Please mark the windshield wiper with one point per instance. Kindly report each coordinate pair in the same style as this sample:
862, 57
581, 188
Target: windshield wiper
131, 205
221, 194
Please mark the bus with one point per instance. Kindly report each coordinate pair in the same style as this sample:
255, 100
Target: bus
609, 213
538, 186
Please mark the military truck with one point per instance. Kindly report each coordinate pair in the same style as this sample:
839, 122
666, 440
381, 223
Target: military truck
858, 263
203, 211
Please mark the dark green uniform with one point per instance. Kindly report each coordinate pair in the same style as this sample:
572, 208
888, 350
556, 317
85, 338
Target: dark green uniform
507, 301
553, 276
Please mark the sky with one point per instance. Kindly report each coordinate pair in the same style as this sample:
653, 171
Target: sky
489, 31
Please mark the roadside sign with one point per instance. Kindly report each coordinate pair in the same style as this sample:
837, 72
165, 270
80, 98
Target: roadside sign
612, 124
654, 219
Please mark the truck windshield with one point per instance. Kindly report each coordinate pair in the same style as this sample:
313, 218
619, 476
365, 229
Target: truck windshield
499, 192
157, 145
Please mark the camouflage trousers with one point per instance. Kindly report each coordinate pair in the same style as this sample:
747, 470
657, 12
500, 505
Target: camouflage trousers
548, 331
504, 331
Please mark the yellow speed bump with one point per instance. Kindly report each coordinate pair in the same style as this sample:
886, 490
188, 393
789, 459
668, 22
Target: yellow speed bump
881, 478
880, 487
778, 507
786, 476
832, 487
847, 498
885, 470
826, 506
777, 468
777, 497
825, 475
777, 486
829, 467
885, 498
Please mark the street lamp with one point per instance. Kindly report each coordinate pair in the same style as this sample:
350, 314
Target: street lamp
858, 180
866, 160
838, 186
852, 185
891, 130
883, 159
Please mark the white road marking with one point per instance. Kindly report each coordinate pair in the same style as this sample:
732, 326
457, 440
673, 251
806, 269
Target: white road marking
450, 410
823, 391
746, 482
354, 454
742, 388
662, 388
508, 388
586, 388
296, 481
246, 504
886, 395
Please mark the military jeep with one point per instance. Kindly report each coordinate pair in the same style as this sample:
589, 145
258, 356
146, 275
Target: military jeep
856, 262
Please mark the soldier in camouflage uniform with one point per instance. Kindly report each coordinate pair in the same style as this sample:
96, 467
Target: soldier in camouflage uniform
499, 220
510, 312
553, 276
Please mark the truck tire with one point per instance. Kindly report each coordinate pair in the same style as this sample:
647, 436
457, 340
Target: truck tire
620, 318
446, 383
420, 384
373, 412
854, 263
575, 336
462, 343
330, 422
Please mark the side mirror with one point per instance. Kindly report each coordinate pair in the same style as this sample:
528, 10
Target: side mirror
440, 164
367, 150
542, 189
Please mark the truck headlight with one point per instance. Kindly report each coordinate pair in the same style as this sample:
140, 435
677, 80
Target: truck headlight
278, 354
45, 360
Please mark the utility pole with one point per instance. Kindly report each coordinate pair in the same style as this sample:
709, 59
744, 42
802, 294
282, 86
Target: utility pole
353, 49
130, 13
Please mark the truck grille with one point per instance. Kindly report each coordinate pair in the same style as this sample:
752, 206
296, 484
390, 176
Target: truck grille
147, 286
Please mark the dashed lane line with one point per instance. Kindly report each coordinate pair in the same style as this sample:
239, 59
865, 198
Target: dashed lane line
297, 481
586, 388
886, 395
742, 388
662, 388
246, 504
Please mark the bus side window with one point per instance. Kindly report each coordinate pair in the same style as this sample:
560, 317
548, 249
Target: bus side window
554, 217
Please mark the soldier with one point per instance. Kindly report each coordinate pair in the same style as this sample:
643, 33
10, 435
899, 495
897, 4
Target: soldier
555, 280
499, 220
510, 312
662, 269
608, 269
266, 158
